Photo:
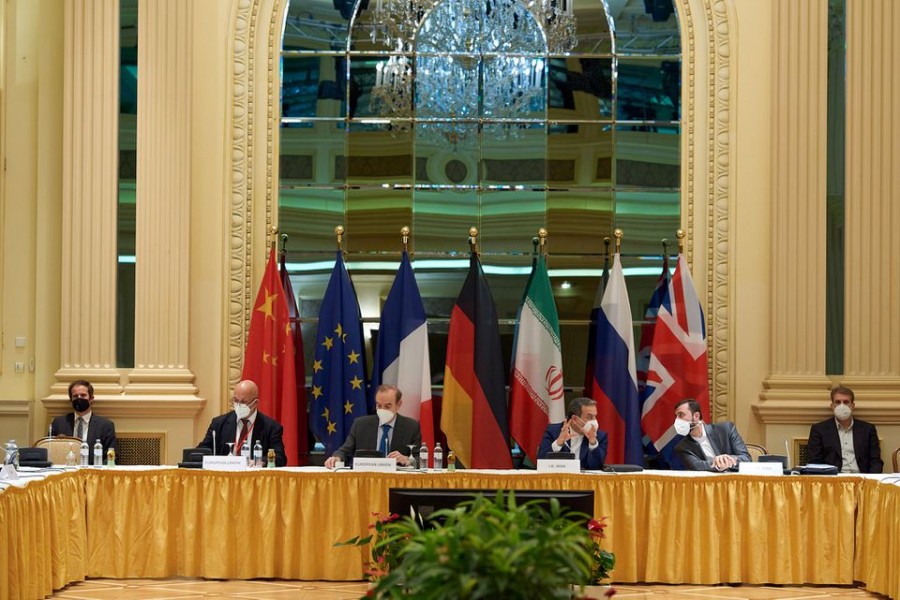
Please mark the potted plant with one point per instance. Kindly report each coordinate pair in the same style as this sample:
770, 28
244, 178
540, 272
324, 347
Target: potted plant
487, 548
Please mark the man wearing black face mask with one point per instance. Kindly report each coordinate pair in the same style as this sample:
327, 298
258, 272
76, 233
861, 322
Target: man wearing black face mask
83, 423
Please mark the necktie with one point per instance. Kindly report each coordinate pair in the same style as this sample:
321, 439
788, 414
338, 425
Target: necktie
385, 434
244, 432
79, 430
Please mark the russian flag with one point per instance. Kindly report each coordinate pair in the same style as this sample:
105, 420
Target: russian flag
401, 354
614, 384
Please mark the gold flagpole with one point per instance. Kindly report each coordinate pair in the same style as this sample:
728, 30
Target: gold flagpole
619, 234
273, 236
680, 235
339, 232
404, 237
473, 240
542, 237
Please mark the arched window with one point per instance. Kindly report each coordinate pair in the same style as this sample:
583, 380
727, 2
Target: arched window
480, 113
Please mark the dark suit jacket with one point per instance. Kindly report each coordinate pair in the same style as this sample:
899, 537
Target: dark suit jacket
364, 436
825, 446
98, 429
724, 439
266, 430
590, 459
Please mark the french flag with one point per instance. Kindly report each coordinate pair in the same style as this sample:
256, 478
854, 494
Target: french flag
401, 354
614, 384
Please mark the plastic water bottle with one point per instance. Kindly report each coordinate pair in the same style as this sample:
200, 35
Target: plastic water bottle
257, 454
423, 457
85, 453
438, 457
245, 450
98, 454
70, 457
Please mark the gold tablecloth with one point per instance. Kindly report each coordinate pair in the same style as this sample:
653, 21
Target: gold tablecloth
283, 524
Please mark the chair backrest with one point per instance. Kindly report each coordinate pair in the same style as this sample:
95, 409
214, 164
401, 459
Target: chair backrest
896, 456
756, 451
58, 447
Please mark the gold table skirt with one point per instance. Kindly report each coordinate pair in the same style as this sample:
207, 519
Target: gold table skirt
121, 523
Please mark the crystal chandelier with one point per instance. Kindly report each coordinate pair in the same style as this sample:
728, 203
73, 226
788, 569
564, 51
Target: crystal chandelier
460, 60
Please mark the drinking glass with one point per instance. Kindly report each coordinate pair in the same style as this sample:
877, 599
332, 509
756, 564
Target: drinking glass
230, 448
412, 456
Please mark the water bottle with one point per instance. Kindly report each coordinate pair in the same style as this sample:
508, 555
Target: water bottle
85, 452
257, 454
70, 457
423, 457
245, 450
98, 454
438, 457
12, 453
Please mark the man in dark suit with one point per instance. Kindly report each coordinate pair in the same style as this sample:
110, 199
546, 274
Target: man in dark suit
714, 447
849, 444
83, 423
578, 434
387, 431
246, 422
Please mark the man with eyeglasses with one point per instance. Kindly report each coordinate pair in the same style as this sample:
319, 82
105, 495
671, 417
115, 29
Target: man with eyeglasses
245, 422
83, 423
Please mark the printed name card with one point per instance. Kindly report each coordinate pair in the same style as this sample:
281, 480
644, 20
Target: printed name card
760, 468
374, 465
224, 463
558, 465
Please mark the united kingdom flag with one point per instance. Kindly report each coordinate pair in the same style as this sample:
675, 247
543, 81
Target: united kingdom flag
678, 364
660, 296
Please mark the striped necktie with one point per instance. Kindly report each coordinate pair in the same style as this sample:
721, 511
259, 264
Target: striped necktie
79, 430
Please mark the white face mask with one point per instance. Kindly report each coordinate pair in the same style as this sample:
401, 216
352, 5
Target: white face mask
682, 427
242, 411
842, 412
384, 416
589, 426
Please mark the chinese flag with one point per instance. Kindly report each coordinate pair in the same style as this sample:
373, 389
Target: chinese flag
269, 359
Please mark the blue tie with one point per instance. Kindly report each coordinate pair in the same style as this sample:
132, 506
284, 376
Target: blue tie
385, 433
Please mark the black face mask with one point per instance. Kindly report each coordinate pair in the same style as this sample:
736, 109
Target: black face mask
80, 404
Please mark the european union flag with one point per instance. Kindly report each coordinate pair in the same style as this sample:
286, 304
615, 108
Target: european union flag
339, 371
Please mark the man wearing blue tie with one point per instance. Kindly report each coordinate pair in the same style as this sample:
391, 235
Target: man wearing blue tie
387, 431
578, 434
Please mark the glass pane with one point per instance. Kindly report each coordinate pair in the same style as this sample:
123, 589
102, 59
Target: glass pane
442, 219
581, 88
307, 154
312, 86
380, 88
646, 28
317, 25
580, 154
649, 89
514, 155
592, 28
374, 218
379, 154
510, 219
447, 154
447, 88
577, 220
647, 217
309, 216
647, 157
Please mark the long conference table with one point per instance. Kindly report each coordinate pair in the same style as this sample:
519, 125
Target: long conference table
162, 522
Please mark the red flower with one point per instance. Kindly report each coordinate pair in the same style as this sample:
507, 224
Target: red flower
597, 527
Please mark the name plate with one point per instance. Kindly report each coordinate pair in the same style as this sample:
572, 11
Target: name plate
558, 465
224, 463
760, 468
374, 465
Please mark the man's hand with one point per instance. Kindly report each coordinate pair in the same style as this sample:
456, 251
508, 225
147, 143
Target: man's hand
590, 430
401, 459
330, 461
566, 433
723, 462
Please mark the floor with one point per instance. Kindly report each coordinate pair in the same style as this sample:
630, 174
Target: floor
183, 589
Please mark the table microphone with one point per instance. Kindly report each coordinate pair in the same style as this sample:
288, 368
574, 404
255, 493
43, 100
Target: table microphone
214, 442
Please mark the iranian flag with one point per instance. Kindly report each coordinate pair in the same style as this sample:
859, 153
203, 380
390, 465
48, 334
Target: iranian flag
536, 386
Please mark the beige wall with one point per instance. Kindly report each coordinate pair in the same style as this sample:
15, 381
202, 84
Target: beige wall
753, 172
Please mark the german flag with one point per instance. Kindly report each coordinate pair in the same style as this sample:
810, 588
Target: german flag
474, 416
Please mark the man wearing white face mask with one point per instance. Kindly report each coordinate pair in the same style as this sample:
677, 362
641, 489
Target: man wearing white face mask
245, 422
713, 447
849, 444
579, 434
387, 431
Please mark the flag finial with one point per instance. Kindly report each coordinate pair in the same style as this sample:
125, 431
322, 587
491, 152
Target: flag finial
619, 234
273, 236
404, 236
680, 235
606, 243
542, 236
339, 232
473, 239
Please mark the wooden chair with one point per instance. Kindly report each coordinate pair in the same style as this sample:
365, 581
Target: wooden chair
58, 447
896, 457
756, 451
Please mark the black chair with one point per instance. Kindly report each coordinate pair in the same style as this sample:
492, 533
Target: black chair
34, 457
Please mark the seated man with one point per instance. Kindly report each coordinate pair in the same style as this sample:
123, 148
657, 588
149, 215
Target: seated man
849, 444
579, 434
83, 423
714, 447
387, 431
243, 422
